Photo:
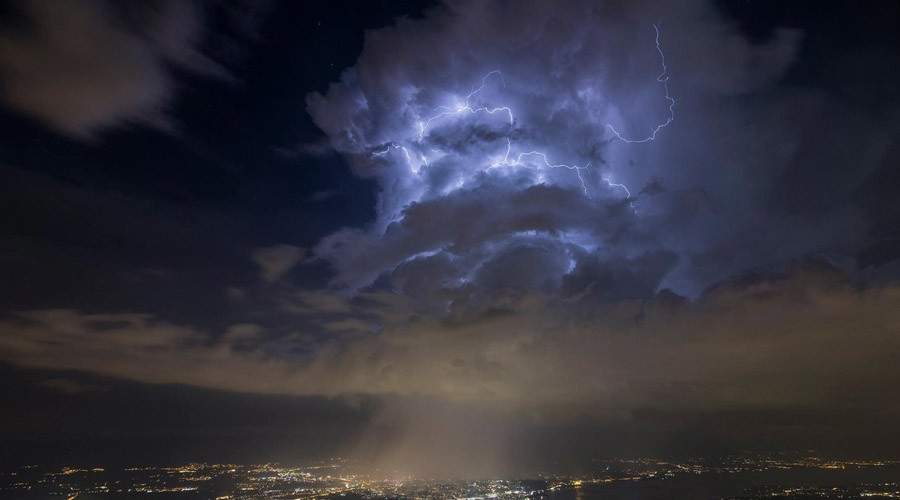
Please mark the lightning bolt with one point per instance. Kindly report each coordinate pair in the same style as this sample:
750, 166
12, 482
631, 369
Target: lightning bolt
663, 78
406, 154
467, 108
526, 159
543, 156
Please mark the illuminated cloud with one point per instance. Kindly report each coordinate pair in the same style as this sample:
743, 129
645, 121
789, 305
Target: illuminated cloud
481, 146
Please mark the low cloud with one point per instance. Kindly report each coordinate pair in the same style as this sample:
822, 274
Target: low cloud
276, 260
458, 392
807, 339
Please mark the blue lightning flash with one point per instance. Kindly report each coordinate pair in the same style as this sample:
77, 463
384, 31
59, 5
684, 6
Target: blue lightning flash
530, 159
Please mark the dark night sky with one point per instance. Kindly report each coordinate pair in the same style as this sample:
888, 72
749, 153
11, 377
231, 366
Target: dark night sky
220, 239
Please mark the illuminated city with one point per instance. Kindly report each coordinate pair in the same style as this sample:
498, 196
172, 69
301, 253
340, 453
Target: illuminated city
338, 478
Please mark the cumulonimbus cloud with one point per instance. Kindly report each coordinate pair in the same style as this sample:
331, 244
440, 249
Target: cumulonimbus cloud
508, 125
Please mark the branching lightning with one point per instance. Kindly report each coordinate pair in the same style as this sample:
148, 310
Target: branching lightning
409, 160
527, 159
543, 156
467, 108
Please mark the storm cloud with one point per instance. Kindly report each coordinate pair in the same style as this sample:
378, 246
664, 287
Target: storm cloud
452, 149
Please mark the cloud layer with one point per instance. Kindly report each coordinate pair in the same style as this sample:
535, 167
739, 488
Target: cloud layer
804, 339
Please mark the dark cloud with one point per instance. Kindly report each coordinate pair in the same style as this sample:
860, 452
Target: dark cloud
81, 67
276, 260
804, 339
66, 386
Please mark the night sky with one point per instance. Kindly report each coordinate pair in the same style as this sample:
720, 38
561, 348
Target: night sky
448, 237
